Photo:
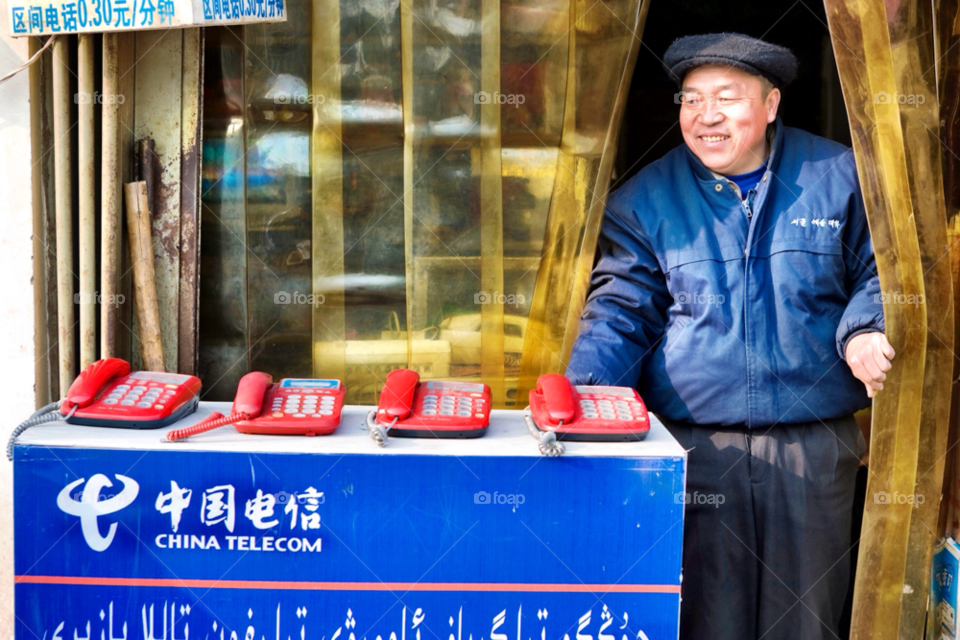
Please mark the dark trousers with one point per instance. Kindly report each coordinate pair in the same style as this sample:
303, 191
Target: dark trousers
767, 529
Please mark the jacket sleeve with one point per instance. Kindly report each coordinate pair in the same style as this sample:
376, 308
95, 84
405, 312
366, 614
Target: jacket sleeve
864, 310
624, 316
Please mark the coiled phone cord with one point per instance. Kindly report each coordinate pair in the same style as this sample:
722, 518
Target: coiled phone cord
378, 432
548, 443
48, 413
211, 422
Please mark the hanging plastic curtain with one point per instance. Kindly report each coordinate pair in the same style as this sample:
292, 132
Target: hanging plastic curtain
948, 75
424, 182
885, 56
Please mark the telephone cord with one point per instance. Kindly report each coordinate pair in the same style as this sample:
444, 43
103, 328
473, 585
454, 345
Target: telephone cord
48, 413
547, 440
214, 421
378, 432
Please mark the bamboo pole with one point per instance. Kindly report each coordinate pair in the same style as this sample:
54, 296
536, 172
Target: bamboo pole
63, 205
110, 198
144, 282
42, 371
148, 168
86, 153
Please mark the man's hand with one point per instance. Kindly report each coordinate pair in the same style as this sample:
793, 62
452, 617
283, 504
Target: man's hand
869, 356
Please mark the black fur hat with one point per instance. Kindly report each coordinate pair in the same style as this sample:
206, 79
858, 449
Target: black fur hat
776, 63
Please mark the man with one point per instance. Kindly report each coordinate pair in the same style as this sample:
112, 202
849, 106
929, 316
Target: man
737, 274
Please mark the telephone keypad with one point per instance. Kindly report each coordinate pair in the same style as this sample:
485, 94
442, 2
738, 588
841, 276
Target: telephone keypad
609, 410
451, 405
300, 405
143, 396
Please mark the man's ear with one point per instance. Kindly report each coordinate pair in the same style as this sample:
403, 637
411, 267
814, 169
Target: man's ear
772, 103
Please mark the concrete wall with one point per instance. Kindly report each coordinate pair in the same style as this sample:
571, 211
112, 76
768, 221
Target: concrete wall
17, 350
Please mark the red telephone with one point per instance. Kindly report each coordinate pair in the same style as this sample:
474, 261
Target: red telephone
293, 406
107, 394
438, 409
587, 413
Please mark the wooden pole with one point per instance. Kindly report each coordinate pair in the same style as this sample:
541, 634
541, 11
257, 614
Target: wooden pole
63, 205
86, 153
110, 198
144, 283
148, 169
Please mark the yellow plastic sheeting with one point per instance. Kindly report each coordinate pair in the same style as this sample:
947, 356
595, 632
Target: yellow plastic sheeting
278, 125
326, 165
886, 63
912, 47
948, 86
424, 183
603, 44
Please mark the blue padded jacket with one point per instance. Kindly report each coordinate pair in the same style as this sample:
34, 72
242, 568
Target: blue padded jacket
720, 318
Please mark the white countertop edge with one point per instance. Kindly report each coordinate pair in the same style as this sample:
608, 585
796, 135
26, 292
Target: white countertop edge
506, 436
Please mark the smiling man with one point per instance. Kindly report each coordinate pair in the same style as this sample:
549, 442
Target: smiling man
737, 290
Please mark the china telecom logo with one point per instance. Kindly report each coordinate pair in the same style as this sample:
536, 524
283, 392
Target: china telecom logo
92, 505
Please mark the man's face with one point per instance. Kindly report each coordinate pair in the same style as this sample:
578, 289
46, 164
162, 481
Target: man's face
724, 118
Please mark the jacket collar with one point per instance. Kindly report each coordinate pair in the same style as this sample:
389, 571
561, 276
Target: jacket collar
774, 134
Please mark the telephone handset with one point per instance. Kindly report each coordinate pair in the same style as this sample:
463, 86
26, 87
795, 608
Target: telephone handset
436, 409
108, 394
293, 406
591, 413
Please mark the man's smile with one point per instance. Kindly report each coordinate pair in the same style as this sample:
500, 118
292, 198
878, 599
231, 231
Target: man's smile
714, 139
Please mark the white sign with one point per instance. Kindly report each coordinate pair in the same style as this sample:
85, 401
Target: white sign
53, 17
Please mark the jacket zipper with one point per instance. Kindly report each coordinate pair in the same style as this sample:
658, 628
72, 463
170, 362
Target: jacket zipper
746, 327
743, 201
